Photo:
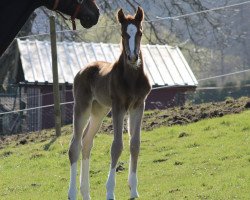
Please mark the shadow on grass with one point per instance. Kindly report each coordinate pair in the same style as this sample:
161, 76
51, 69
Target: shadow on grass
47, 146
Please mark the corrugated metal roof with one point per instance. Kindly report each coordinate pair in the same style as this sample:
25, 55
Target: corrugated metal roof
165, 65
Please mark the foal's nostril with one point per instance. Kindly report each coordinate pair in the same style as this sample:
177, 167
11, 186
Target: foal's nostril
136, 57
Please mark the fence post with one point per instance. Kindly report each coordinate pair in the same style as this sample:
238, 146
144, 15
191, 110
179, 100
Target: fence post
55, 76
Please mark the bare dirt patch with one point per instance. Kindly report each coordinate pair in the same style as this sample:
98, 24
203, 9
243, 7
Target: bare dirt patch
188, 113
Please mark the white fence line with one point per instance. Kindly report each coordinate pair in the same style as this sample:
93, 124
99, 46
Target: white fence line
34, 108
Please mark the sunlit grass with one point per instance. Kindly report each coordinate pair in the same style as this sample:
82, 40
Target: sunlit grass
205, 160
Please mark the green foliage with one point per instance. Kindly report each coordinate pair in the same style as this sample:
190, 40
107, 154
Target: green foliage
205, 160
245, 82
217, 95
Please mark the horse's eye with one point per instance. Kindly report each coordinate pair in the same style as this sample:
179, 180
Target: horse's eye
126, 36
140, 33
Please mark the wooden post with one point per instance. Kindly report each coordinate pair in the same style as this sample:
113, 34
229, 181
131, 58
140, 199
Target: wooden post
55, 76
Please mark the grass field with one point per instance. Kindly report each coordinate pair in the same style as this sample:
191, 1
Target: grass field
209, 159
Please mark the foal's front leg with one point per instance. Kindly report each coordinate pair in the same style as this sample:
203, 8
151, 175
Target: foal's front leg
116, 148
135, 117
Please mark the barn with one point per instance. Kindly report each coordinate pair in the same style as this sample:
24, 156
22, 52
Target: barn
169, 73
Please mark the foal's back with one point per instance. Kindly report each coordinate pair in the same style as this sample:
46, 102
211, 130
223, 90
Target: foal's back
92, 83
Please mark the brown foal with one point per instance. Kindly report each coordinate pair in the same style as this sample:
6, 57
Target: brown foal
122, 86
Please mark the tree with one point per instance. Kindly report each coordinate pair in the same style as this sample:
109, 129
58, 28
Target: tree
213, 42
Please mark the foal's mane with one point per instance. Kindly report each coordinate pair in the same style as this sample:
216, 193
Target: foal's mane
130, 17
137, 17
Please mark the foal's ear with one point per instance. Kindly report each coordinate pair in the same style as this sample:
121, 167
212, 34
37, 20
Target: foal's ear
139, 14
120, 15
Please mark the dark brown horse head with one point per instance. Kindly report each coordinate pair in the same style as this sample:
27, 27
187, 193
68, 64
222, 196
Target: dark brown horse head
131, 27
85, 10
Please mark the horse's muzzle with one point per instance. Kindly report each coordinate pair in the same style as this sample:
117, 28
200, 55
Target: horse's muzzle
90, 20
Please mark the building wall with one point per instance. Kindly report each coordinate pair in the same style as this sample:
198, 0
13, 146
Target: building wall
157, 99
36, 96
33, 117
165, 97
12, 99
48, 120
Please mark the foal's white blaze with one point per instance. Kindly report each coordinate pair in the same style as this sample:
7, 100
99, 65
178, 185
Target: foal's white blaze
131, 31
72, 186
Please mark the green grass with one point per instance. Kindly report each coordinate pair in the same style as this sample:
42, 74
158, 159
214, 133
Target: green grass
209, 159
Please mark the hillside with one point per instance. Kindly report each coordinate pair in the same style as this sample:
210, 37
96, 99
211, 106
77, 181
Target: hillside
208, 159
188, 113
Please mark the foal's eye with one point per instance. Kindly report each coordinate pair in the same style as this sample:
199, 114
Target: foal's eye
124, 36
140, 33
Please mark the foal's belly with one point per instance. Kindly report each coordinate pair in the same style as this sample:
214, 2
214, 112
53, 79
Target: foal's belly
102, 96
103, 100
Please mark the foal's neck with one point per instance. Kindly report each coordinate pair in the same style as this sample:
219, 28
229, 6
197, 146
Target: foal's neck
129, 74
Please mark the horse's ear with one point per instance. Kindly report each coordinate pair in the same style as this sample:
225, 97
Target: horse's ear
139, 14
120, 15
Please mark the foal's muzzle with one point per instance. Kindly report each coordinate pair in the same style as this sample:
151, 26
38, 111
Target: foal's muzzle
133, 58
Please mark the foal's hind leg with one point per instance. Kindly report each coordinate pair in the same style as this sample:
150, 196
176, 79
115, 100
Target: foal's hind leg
98, 112
80, 119
135, 116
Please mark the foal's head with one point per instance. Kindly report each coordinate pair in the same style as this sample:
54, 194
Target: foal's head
131, 27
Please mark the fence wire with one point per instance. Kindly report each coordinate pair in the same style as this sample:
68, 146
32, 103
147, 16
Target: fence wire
22, 113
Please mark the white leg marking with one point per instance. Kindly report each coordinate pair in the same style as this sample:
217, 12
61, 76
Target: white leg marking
133, 185
131, 31
132, 181
72, 187
85, 180
110, 185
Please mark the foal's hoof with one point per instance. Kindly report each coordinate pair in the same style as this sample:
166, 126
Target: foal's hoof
71, 196
133, 195
110, 196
